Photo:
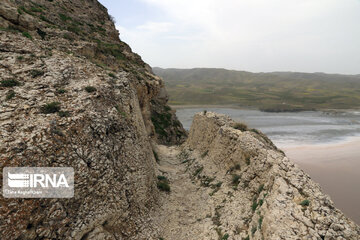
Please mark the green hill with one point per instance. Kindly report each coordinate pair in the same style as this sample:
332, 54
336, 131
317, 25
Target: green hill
276, 91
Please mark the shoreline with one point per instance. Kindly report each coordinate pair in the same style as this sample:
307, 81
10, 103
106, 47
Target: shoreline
346, 140
231, 106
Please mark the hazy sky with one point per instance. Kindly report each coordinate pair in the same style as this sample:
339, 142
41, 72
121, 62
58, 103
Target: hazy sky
252, 35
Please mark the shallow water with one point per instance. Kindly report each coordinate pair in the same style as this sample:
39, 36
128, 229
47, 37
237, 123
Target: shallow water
289, 128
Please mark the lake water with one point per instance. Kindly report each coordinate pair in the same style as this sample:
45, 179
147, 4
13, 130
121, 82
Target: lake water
289, 128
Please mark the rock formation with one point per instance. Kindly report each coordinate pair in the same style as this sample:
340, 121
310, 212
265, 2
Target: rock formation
248, 189
74, 95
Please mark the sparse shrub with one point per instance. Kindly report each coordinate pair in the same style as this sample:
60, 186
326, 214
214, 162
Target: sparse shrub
156, 157
305, 203
27, 35
22, 9
101, 29
36, 73
253, 230
119, 110
254, 205
216, 218
206, 180
247, 160
163, 186
20, 58
204, 154
261, 202
90, 89
225, 236
247, 238
240, 126
9, 83
198, 171
260, 221
112, 19
10, 94
74, 29
235, 167
64, 114
61, 91
160, 177
255, 131
167, 108
64, 17
235, 179
216, 188
112, 75
41, 33
161, 121
115, 50
52, 107
43, 18
261, 187
204, 112
34, 9
237, 230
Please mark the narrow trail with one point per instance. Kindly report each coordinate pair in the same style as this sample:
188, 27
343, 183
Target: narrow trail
186, 211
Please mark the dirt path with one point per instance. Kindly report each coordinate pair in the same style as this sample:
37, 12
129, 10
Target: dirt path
186, 211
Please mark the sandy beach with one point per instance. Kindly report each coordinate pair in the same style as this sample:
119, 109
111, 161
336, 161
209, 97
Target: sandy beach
336, 166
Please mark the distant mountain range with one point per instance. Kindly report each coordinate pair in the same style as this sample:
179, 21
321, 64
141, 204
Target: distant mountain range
275, 91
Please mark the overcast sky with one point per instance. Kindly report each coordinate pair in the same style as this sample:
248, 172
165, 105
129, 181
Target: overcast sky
252, 35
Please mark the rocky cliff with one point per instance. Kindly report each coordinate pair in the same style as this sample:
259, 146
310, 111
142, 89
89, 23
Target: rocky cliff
262, 195
73, 94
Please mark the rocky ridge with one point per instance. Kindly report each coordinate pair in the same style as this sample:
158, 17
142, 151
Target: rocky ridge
239, 186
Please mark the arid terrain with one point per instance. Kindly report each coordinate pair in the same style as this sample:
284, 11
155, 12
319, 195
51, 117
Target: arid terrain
74, 95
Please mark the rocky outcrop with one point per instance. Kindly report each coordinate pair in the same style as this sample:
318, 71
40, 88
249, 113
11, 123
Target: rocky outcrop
84, 28
263, 194
72, 94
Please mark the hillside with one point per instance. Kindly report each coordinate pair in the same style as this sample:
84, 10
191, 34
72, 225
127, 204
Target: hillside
74, 95
277, 91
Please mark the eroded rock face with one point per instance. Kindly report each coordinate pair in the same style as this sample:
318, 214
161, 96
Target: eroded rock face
264, 195
84, 28
101, 134
67, 54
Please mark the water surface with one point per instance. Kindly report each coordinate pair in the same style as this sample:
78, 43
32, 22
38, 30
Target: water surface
289, 128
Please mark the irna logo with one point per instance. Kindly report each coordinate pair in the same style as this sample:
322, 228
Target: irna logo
38, 182
17, 180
